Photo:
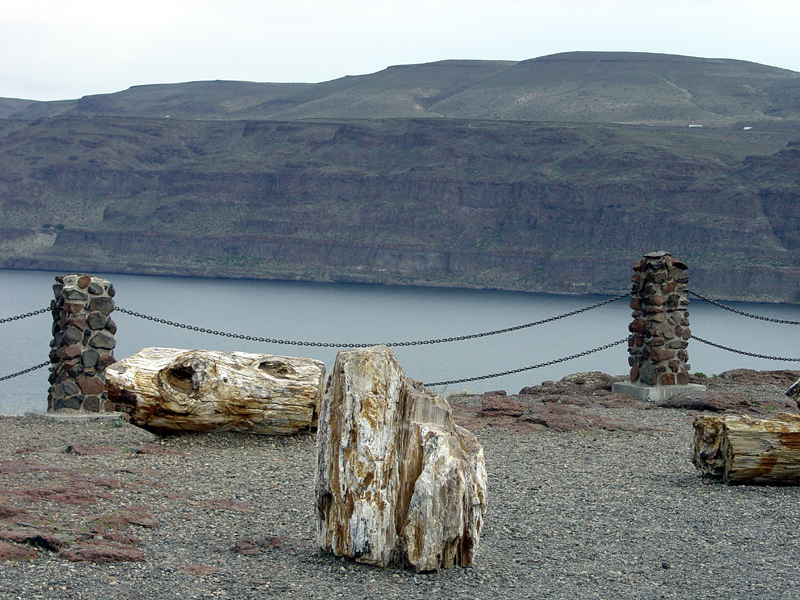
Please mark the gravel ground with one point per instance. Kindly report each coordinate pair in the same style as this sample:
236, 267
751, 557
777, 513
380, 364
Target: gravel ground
585, 514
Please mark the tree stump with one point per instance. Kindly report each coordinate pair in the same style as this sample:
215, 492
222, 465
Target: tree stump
166, 390
398, 482
742, 450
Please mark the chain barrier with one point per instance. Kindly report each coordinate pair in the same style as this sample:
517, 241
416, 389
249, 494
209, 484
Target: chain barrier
25, 316
28, 370
694, 337
461, 338
440, 340
540, 365
739, 312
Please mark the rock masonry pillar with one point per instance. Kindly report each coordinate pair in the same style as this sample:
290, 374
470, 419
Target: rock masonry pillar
83, 343
660, 331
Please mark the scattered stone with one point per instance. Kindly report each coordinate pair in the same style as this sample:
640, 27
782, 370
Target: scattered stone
103, 554
98, 480
15, 552
749, 376
30, 449
501, 406
712, 402
77, 498
199, 570
166, 390
81, 450
252, 545
558, 417
44, 541
9, 511
24, 466
114, 536
560, 409
159, 450
234, 505
131, 515
591, 383
247, 546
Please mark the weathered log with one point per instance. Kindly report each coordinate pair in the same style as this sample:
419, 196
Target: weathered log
398, 482
742, 450
794, 392
166, 390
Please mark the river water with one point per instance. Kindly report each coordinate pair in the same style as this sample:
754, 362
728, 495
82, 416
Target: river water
354, 314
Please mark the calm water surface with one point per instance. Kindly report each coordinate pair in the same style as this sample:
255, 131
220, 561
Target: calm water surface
351, 314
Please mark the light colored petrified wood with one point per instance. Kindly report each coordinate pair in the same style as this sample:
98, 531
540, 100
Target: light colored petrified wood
794, 392
166, 390
398, 482
742, 450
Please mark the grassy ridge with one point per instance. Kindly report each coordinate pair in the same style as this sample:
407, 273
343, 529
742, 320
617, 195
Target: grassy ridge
599, 87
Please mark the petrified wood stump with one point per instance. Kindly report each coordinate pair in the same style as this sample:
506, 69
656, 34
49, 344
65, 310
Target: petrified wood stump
742, 450
398, 482
166, 390
794, 392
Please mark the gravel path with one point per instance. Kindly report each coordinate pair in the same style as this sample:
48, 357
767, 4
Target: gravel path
585, 514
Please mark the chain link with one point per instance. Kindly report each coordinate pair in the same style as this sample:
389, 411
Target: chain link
540, 365
44, 364
694, 337
460, 338
25, 316
739, 312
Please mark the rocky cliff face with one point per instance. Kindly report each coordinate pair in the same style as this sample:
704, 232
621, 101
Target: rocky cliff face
446, 203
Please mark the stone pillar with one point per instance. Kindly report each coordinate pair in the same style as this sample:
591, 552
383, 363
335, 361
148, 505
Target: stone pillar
658, 356
83, 343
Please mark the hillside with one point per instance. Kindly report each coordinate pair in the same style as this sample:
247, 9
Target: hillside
506, 198
593, 87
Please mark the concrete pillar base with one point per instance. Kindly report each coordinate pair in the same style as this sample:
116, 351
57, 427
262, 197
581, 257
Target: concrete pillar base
654, 393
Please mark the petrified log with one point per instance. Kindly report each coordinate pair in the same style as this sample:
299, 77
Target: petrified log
742, 450
794, 392
398, 482
166, 390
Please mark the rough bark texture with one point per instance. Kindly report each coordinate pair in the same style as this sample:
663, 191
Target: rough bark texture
794, 392
742, 450
398, 482
166, 390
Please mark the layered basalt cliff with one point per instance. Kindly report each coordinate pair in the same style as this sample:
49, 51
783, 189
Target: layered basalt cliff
510, 205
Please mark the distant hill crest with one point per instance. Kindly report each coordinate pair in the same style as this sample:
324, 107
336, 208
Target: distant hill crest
578, 87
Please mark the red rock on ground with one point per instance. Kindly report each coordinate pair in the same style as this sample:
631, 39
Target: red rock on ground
35, 538
103, 554
10, 511
15, 552
200, 570
89, 450
235, 505
132, 515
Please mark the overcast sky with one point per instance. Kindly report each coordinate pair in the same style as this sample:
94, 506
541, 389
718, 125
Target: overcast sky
63, 49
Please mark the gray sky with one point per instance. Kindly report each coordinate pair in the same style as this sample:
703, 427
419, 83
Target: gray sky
63, 49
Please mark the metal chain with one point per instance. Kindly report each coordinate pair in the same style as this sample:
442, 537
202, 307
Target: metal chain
545, 364
694, 337
26, 315
460, 338
44, 364
739, 312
